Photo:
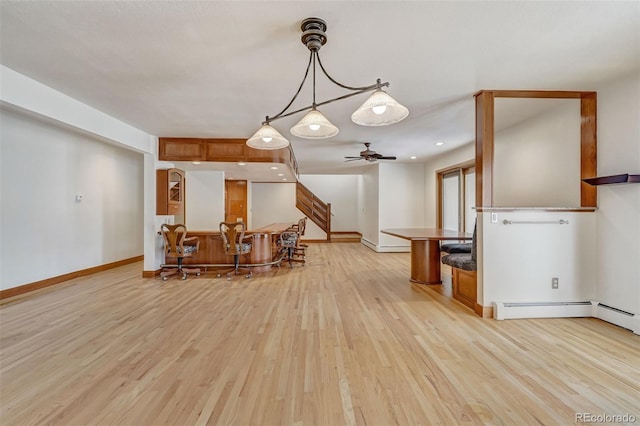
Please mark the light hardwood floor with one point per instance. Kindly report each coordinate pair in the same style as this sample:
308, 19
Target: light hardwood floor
344, 340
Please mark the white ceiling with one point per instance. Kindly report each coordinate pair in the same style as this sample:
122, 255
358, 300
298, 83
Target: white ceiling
217, 68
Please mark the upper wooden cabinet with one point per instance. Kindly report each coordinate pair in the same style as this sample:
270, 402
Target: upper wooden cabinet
170, 193
221, 150
180, 149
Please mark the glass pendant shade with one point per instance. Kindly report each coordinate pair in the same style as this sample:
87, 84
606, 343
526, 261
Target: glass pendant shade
379, 110
267, 138
314, 125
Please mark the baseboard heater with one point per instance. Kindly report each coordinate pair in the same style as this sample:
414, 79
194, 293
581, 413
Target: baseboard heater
617, 316
508, 310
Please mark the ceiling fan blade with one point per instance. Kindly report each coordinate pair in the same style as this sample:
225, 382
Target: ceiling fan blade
385, 158
353, 159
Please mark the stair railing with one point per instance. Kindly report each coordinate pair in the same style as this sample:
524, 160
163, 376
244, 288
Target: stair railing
314, 208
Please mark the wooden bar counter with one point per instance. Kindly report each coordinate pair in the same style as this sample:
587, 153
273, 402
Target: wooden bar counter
211, 253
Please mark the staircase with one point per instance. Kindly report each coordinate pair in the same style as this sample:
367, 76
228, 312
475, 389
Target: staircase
345, 237
314, 208
320, 213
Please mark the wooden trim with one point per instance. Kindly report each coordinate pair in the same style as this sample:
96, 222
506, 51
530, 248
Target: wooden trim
485, 123
483, 311
151, 274
484, 148
439, 181
465, 166
26, 288
550, 94
588, 149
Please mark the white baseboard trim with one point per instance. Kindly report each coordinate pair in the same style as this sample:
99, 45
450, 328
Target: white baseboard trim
385, 249
507, 310
594, 309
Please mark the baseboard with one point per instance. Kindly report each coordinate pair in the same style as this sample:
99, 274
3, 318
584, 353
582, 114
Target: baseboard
385, 249
483, 311
509, 310
26, 288
588, 309
151, 274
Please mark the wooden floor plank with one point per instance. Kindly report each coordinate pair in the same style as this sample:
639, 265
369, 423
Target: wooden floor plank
344, 339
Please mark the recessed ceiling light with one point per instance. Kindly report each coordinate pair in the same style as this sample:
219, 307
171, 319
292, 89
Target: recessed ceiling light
280, 174
413, 157
242, 164
439, 143
274, 168
195, 162
284, 178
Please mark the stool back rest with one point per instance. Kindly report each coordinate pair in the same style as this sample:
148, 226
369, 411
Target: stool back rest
173, 237
302, 224
232, 236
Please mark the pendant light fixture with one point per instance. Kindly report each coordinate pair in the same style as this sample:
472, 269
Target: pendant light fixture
379, 109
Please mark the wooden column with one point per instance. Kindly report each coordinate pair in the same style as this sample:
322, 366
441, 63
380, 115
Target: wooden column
588, 148
484, 148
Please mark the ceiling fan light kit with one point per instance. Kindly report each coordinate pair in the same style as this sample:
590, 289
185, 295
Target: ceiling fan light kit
379, 109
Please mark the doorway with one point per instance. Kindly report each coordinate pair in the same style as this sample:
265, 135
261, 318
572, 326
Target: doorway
456, 195
235, 201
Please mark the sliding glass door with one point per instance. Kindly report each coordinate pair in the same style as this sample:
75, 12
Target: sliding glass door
456, 197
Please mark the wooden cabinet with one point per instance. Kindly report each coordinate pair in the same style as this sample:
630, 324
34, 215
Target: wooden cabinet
170, 193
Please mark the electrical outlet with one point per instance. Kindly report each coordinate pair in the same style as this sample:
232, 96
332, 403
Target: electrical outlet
554, 282
494, 217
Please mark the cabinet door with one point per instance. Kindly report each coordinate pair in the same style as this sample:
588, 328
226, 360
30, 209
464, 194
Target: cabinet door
176, 186
170, 186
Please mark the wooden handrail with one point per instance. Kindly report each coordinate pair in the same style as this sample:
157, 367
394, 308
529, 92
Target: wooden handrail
314, 208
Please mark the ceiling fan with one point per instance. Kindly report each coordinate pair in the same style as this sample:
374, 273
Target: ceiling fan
369, 155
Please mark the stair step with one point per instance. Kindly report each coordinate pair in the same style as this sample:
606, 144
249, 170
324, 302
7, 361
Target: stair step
345, 237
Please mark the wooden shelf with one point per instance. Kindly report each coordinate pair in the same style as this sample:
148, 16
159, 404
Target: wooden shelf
608, 180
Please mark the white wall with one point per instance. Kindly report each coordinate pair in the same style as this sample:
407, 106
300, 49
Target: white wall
45, 232
276, 202
368, 188
517, 262
400, 202
537, 162
618, 214
204, 200
341, 191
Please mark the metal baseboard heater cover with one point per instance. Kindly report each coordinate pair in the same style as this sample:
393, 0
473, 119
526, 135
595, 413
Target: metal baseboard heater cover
526, 304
